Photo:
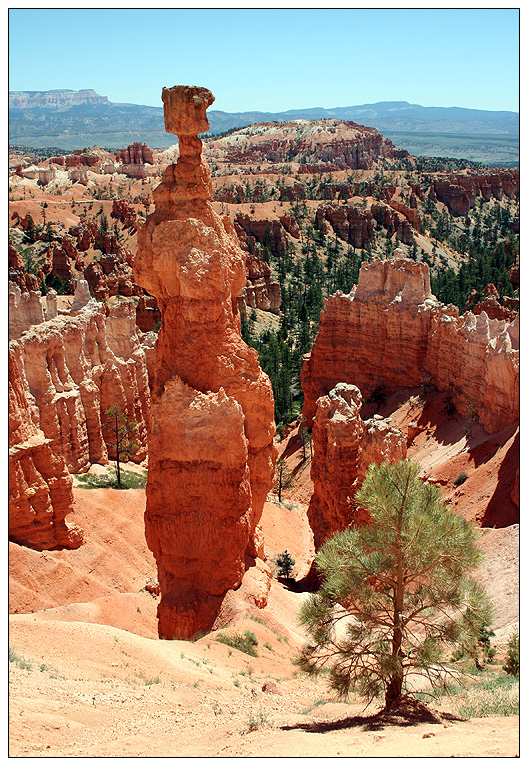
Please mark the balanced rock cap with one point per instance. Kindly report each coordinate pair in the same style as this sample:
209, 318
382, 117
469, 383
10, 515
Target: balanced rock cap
184, 109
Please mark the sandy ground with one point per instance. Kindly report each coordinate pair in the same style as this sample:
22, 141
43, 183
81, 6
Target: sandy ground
96, 691
89, 677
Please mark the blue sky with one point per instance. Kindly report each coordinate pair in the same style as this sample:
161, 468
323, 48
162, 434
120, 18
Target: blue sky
273, 59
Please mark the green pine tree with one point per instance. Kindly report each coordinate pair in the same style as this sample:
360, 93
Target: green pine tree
121, 439
284, 478
400, 585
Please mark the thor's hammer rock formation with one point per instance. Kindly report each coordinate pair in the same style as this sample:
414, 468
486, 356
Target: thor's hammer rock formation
211, 452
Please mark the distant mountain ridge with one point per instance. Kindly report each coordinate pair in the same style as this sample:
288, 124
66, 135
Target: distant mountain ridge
72, 119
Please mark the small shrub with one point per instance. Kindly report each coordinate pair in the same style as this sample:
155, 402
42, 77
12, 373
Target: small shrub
460, 479
255, 721
378, 396
449, 408
245, 643
511, 666
21, 662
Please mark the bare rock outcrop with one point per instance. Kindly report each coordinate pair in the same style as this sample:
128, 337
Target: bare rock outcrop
344, 446
211, 453
75, 368
390, 331
147, 313
266, 232
262, 290
40, 487
393, 221
25, 310
318, 145
81, 296
135, 154
348, 222
458, 191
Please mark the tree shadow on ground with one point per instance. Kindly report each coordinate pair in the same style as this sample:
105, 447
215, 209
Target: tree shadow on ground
408, 712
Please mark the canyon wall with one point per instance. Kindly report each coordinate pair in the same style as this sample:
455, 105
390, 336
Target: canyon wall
211, 453
40, 487
390, 331
459, 190
75, 367
344, 445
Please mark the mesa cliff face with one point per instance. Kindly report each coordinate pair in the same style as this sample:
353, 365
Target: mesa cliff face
344, 446
390, 331
317, 146
211, 453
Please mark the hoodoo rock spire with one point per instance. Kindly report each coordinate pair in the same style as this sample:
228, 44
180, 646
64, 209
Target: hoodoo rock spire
211, 452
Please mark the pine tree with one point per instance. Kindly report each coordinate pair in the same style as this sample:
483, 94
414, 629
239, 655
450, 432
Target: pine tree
284, 478
285, 563
121, 436
400, 585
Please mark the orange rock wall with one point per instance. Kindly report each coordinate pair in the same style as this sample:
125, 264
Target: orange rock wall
343, 447
392, 332
40, 487
76, 367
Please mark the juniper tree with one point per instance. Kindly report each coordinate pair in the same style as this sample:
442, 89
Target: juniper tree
396, 596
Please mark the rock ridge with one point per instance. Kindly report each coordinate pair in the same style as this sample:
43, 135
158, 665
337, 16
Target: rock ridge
390, 331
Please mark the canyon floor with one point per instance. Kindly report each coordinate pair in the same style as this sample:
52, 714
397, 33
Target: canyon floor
89, 677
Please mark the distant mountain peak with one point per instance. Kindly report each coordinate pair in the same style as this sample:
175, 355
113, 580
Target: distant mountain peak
59, 97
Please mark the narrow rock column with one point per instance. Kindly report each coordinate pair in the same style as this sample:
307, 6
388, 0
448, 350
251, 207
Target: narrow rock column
211, 452
344, 446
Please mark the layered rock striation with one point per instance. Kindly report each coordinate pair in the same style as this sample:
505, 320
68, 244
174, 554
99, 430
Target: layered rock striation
459, 190
344, 446
40, 487
211, 453
390, 331
76, 367
318, 146
262, 290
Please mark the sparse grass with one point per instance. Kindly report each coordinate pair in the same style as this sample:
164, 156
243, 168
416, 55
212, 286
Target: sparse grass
245, 643
492, 694
19, 661
256, 721
258, 619
496, 696
129, 480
